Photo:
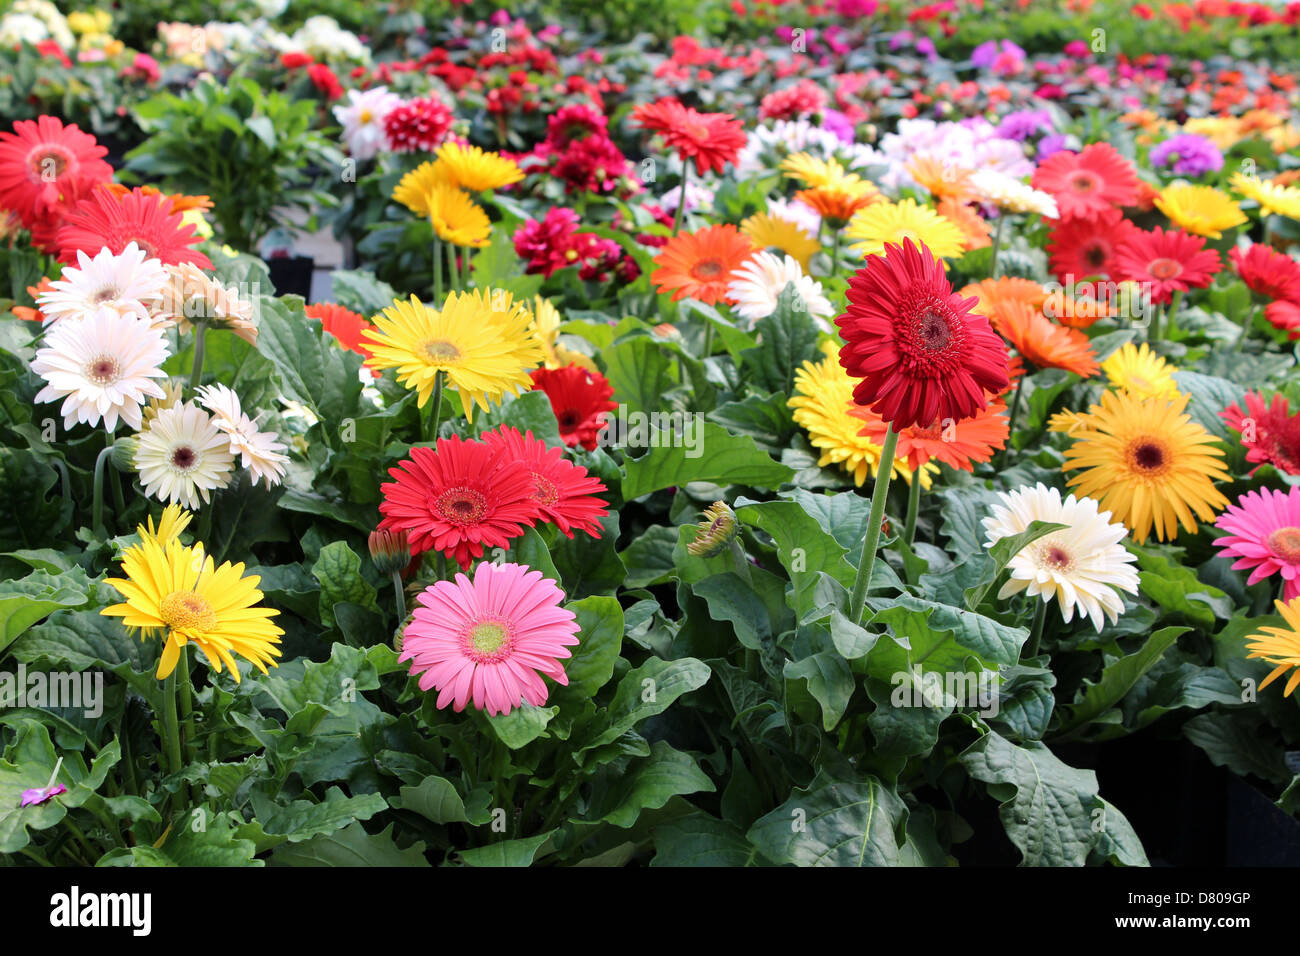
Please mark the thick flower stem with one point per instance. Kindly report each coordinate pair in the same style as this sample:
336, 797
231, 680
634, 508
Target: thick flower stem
435, 409
1035, 635
708, 340
872, 537
997, 244
187, 733
1153, 332
200, 336
913, 506
1245, 330
399, 594
452, 273
835, 253
171, 734
97, 501
681, 198
437, 271
1015, 413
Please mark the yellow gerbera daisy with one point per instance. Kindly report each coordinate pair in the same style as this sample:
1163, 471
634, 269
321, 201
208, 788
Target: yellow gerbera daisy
456, 218
471, 168
821, 403
1280, 646
546, 326
818, 173
773, 232
884, 222
1141, 372
1203, 210
171, 523
1147, 463
1222, 131
416, 187
1272, 198
481, 339
1283, 138
176, 589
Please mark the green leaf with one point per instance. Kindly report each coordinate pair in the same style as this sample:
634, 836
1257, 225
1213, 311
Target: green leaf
1117, 678
720, 458
649, 783
28, 600
435, 798
352, 846
506, 852
702, 840
833, 823
1001, 553
312, 367
599, 642
361, 291
640, 373
303, 819
1179, 592
338, 569
788, 338
828, 680
522, 725
643, 692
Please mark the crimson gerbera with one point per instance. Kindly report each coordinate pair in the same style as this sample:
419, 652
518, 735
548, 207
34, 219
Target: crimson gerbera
1267, 272
1087, 183
711, 139
42, 162
1166, 262
1080, 248
921, 353
459, 499
563, 492
1270, 432
580, 398
104, 220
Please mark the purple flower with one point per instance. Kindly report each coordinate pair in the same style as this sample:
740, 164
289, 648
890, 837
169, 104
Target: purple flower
1023, 124
38, 795
1051, 144
839, 124
900, 39
1004, 57
1191, 155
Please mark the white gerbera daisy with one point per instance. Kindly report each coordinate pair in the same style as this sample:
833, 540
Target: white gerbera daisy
362, 118
102, 366
183, 455
1081, 566
126, 284
757, 285
191, 295
1010, 194
259, 451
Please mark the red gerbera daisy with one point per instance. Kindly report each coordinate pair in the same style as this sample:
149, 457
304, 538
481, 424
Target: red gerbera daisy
1285, 317
921, 353
345, 325
1166, 262
580, 398
1087, 183
417, 126
1080, 248
563, 492
1270, 432
711, 139
43, 162
1269, 273
105, 220
459, 499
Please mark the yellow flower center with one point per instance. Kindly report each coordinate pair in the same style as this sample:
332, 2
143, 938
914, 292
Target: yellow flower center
441, 351
366, 117
487, 641
187, 611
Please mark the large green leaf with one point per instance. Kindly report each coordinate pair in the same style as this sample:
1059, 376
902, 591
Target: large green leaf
312, 367
649, 783
702, 840
719, 457
834, 823
1117, 678
643, 692
338, 569
303, 819
28, 600
351, 846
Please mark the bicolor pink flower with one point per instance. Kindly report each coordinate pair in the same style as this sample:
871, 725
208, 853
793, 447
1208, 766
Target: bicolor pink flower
38, 795
490, 640
1264, 535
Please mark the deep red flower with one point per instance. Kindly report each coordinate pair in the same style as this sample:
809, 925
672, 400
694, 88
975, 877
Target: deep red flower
1087, 183
1284, 316
591, 164
1080, 248
921, 353
579, 398
295, 59
711, 139
325, 80
1270, 432
344, 325
103, 219
43, 163
459, 499
1269, 273
573, 122
1166, 262
544, 243
418, 126
563, 492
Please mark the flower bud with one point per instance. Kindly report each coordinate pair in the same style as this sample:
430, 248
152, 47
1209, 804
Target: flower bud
389, 550
715, 532
123, 456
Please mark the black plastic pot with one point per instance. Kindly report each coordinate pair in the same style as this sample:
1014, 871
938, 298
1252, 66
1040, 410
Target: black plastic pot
291, 275
1259, 834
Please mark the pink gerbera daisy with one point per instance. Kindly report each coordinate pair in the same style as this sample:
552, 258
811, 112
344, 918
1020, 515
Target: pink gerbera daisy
490, 640
1264, 535
1087, 183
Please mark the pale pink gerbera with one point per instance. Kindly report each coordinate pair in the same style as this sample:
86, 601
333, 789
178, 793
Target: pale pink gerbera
259, 451
126, 284
1264, 534
490, 639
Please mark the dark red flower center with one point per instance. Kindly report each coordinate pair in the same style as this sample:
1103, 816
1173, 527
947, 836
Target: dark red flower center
1096, 254
1056, 557
1164, 268
1285, 543
934, 331
569, 419
461, 506
707, 269
1148, 455
1084, 182
48, 162
184, 458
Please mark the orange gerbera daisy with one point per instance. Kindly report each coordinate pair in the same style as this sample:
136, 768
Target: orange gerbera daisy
180, 202
1077, 313
345, 325
699, 264
942, 180
958, 444
964, 217
1041, 342
35, 291
836, 203
1007, 289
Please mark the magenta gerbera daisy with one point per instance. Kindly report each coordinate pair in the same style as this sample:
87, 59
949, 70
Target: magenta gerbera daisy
1270, 432
564, 493
1087, 183
490, 640
1264, 535
921, 353
459, 499
104, 220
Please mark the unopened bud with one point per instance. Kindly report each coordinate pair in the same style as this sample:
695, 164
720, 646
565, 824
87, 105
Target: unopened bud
715, 532
389, 550
123, 456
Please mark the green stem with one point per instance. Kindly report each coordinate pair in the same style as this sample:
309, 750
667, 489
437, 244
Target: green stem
200, 337
435, 409
997, 244
1153, 333
1035, 635
913, 506
681, 197
186, 727
835, 253
91, 856
399, 593
708, 339
1015, 413
97, 499
171, 733
119, 500
1245, 330
452, 273
442, 566
872, 537
437, 272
